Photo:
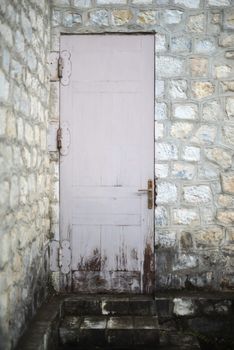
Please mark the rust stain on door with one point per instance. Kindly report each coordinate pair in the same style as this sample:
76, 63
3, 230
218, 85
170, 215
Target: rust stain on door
148, 270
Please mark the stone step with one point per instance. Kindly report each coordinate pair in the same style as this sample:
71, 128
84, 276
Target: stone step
109, 305
112, 331
123, 332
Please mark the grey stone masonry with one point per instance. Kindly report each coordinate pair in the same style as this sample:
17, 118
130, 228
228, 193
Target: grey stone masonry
194, 113
24, 163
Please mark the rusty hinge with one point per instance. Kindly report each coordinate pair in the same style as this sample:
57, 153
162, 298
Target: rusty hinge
59, 257
60, 67
59, 139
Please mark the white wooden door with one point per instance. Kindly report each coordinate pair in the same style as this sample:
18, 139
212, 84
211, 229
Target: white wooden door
107, 120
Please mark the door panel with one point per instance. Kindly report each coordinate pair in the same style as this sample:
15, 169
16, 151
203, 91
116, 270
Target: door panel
108, 107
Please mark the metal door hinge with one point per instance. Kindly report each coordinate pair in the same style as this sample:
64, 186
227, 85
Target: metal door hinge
59, 139
60, 67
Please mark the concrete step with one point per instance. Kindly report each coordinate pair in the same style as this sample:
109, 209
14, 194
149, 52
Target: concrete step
110, 305
110, 331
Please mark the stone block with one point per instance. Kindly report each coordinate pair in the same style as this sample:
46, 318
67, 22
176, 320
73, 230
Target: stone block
183, 307
5, 250
204, 46
183, 171
225, 200
206, 134
165, 151
148, 18
185, 111
6, 33
160, 42
197, 194
219, 3
169, 67
208, 171
198, 66
209, 237
167, 192
172, 16
226, 217
226, 40
26, 26
219, 156
186, 241
181, 130
3, 121
162, 2
211, 111
196, 24
61, 2
228, 86
185, 216
161, 216
178, 89
228, 182
70, 19
121, 17
99, 17
161, 170
229, 54
191, 154
160, 111
82, 3
4, 87
28, 134
185, 261
111, 2
223, 71
69, 330
229, 19
159, 87
165, 239
56, 18
11, 126
23, 189
202, 89
159, 130
5, 191
6, 60
230, 106
230, 234
14, 191
192, 4
228, 134
31, 60
181, 44
142, 2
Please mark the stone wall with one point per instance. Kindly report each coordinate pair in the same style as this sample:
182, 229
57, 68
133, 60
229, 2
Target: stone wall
194, 127
24, 163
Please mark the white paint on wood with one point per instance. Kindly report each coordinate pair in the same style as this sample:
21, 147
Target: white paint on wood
109, 108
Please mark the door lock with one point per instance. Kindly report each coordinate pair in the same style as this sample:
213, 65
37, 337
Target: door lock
150, 192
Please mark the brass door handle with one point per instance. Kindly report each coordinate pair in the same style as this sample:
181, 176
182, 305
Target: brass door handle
150, 193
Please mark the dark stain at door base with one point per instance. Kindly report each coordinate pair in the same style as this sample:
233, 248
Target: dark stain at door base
93, 263
148, 270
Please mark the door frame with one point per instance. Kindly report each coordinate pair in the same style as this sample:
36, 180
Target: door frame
60, 251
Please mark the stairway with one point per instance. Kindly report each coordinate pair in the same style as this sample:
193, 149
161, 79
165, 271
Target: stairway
112, 322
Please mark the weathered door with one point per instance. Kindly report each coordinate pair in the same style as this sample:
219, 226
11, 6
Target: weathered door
107, 120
